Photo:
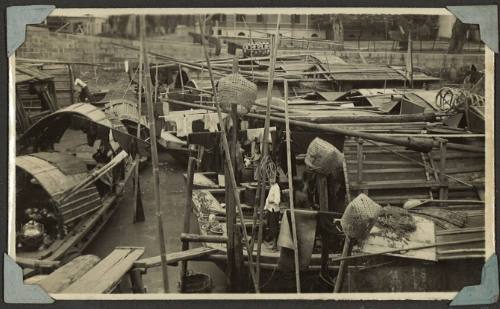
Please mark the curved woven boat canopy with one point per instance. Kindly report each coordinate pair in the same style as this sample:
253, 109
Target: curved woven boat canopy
51, 128
55, 179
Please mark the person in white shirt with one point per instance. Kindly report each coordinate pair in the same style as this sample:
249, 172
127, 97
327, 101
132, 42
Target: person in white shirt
272, 209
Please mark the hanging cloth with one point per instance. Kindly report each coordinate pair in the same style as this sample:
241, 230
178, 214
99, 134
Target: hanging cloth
273, 199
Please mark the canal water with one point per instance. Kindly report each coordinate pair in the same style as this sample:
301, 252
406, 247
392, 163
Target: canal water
121, 231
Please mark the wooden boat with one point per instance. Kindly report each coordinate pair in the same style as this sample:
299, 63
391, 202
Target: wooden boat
390, 175
35, 96
71, 169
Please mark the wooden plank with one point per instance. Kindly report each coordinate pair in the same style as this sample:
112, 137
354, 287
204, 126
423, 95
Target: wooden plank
104, 277
398, 184
64, 276
36, 263
187, 237
423, 235
203, 181
175, 257
389, 170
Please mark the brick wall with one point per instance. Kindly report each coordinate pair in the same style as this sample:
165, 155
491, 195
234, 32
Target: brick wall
42, 44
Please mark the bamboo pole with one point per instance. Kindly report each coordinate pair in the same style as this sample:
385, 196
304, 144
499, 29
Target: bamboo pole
227, 157
290, 194
423, 144
156, 83
96, 174
449, 243
187, 216
265, 144
154, 155
137, 158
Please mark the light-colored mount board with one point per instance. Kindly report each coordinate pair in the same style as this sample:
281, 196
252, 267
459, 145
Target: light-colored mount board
14, 289
485, 16
17, 19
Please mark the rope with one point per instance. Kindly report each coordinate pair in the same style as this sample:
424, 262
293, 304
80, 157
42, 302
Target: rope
270, 277
450, 99
130, 83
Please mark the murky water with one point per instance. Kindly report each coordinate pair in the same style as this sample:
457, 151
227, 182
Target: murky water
120, 231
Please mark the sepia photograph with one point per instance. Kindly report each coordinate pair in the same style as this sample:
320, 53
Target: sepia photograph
251, 151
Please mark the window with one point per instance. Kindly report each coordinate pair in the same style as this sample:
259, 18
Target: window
314, 35
241, 34
219, 32
296, 19
240, 17
260, 18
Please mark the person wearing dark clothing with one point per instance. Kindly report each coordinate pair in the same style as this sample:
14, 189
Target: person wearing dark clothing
85, 94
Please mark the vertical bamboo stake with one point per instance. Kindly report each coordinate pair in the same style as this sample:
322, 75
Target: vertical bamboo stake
154, 154
137, 158
228, 159
187, 216
290, 190
180, 77
156, 82
265, 145
346, 251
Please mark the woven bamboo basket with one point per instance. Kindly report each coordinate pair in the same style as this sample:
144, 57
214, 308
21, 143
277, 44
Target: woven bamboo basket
235, 89
322, 157
359, 217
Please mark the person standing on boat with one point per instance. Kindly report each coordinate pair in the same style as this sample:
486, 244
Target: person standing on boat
272, 209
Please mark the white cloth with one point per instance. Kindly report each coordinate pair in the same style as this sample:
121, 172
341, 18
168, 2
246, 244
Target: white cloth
183, 122
211, 120
258, 133
273, 199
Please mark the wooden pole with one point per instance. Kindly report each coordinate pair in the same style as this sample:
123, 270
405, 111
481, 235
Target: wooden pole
418, 144
156, 83
291, 192
343, 264
187, 215
236, 243
137, 201
346, 250
323, 206
419, 247
265, 144
227, 157
154, 155
230, 227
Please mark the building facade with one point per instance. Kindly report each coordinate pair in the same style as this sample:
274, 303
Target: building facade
259, 26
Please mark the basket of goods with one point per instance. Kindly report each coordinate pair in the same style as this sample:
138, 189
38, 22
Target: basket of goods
236, 89
196, 282
322, 157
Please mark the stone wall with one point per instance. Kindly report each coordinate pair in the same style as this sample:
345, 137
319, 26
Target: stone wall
43, 44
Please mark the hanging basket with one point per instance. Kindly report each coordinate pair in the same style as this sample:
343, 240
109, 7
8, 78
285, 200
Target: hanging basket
359, 217
322, 157
235, 89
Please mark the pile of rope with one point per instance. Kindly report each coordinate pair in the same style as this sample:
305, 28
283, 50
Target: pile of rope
450, 99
